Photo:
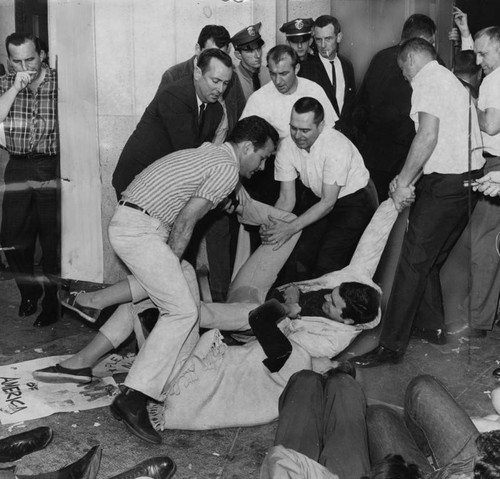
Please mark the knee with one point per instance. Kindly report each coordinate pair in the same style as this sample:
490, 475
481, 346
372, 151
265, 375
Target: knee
345, 384
305, 380
379, 415
421, 387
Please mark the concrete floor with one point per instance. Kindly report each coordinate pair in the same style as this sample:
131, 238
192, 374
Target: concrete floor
464, 365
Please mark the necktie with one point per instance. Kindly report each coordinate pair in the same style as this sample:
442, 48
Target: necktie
255, 80
334, 79
201, 115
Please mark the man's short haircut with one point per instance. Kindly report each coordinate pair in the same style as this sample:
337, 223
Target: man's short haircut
299, 38
217, 33
362, 302
279, 52
255, 129
487, 464
418, 25
393, 466
19, 38
206, 55
307, 104
325, 20
416, 45
465, 63
493, 34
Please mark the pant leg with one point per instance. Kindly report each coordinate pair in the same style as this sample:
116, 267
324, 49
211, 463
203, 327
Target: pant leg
345, 439
431, 410
388, 434
259, 272
485, 263
120, 325
438, 213
300, 424
140, 241
345, 226
46, 205
19, 226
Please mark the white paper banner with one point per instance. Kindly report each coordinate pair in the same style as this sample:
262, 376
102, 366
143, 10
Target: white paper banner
22, 398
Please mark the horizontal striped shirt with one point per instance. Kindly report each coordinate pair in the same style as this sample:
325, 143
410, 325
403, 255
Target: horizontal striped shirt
163, 188
31, 124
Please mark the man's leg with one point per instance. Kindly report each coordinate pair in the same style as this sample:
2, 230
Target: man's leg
345, 448
140, 241
431, 411
388, 434
300, 424
19, 230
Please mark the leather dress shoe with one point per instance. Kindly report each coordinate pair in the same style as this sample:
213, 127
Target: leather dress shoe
85, 468
156, 468
28, 307
16, 446
45, 318
434, 336
377, 357
130, 407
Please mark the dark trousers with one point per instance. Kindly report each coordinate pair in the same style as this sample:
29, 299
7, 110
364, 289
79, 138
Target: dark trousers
436, 221
433, 425
30, 211
324, 419
328, 244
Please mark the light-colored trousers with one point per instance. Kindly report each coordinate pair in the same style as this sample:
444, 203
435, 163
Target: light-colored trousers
140, 241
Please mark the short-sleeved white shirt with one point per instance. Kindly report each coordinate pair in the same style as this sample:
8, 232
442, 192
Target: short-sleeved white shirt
276, 108
489, 97
331, 159
438, 92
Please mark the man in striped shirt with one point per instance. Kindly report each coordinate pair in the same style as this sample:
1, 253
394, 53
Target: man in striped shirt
28, 110
150, 230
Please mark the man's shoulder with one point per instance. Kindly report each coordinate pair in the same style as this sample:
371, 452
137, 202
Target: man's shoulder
178, 71
181, 90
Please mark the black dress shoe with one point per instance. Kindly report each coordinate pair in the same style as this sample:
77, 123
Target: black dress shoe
496, 373
85, 468
377, 357
434, 336
14, 447
130, 407
28, 307
45, 318
156, 468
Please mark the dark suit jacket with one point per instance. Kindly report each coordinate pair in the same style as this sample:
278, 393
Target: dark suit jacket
313, 70
233, 96
170, 123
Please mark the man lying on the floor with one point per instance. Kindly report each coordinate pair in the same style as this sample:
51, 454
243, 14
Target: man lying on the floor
216, 385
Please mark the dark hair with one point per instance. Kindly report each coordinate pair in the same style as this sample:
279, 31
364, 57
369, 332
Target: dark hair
493, 33
307, 104
325, 20
206, 55
362, 302
487, 464
18, 39
217, 33
277, 53
416, 45
418, 25
303, 38
255, 129
393, 466
465, 62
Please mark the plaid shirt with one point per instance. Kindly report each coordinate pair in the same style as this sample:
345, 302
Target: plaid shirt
31, 124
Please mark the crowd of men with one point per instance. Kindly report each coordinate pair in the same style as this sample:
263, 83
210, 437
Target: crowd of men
290, 148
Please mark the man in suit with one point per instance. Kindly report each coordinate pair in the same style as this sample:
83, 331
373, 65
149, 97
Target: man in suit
182, 115
233, 101
299, 36
332, 71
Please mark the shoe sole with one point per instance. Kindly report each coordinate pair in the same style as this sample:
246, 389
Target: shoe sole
117, 415
61, 378
79, 312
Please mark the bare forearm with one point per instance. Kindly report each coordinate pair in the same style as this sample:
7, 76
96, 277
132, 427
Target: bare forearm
420, 151
6, 101
179, 237
313, 214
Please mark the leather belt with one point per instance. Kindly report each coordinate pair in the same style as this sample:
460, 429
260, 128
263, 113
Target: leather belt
133, 206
